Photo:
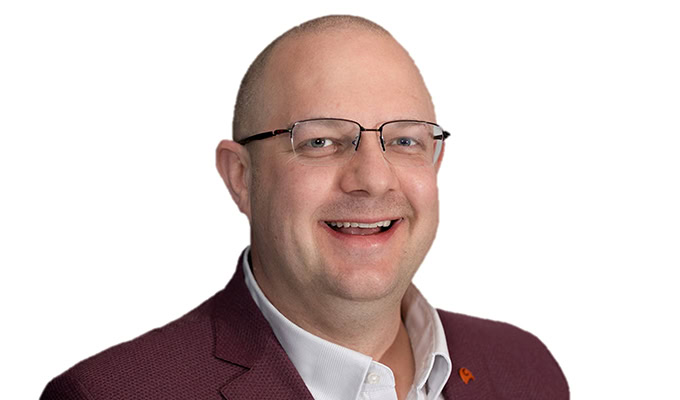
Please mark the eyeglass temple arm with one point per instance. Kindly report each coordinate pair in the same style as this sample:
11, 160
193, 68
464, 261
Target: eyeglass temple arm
262, 135
443, 136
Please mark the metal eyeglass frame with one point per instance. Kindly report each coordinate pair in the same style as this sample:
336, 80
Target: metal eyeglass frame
265, 135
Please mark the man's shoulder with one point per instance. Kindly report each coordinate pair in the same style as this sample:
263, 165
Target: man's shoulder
511, 360
159, 361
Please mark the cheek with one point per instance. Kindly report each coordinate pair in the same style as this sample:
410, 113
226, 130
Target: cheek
311, 190
294, 192
420, 187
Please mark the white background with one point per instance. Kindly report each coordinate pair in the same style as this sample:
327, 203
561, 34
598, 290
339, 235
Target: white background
559, 190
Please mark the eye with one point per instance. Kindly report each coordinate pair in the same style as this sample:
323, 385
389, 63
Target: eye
404, 142
320, 142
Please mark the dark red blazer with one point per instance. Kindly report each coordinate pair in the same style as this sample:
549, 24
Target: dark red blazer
225, 349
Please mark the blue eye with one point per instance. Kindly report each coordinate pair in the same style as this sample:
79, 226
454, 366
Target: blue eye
318, 143
404, 142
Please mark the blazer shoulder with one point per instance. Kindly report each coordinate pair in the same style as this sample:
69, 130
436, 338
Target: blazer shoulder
516, 361
157, 361
467, 327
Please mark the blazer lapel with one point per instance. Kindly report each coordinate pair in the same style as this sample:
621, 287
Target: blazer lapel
272, 377
244, 338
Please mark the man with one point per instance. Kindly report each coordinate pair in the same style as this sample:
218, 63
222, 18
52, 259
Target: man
342, 214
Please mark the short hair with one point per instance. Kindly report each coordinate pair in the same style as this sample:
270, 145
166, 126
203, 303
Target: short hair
250, 96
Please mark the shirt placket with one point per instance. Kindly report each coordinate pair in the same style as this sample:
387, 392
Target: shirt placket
378, 383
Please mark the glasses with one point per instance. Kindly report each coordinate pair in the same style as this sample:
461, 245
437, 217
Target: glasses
333, 141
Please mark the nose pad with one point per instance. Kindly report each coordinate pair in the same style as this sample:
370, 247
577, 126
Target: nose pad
357, 140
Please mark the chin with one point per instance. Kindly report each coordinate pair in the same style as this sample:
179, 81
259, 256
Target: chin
367, 282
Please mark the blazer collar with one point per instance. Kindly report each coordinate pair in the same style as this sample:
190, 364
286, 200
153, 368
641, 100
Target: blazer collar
244, 338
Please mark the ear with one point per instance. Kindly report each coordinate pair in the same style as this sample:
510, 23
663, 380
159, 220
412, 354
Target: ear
233, 164
440, 158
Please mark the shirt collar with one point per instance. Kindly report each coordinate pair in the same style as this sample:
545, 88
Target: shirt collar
336, 371
426, 332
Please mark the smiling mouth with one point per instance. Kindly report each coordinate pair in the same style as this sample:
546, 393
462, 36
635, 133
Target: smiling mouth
361, 228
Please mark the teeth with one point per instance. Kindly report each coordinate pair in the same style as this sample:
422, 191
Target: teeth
380, 224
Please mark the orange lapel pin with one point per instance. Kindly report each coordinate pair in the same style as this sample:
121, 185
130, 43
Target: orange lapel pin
466, 375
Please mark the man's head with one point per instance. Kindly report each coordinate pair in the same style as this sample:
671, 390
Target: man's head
341, 67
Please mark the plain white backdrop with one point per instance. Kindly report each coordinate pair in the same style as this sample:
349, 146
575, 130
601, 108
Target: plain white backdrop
559, 189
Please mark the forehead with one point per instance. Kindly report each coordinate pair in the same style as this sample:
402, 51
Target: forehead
348, 73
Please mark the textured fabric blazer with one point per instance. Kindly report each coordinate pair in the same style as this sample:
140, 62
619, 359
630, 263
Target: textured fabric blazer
225, 349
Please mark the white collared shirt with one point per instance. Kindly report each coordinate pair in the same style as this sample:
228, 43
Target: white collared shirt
334, 372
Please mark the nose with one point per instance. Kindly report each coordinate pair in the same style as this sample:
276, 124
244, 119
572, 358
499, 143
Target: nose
368, 173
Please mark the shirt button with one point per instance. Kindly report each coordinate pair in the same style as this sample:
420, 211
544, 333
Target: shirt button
373, 378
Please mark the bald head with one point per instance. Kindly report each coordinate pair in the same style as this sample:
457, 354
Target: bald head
312, 54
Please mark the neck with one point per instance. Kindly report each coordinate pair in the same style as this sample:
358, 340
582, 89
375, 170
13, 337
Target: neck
399, 357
